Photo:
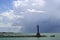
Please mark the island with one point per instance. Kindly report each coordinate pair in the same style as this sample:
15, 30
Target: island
11, 34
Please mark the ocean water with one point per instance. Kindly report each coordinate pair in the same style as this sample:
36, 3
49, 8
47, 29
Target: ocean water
57, 37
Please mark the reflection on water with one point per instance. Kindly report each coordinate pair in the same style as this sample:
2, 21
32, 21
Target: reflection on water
31, 38
38, 38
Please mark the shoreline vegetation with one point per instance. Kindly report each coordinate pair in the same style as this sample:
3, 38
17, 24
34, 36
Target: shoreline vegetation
11, 34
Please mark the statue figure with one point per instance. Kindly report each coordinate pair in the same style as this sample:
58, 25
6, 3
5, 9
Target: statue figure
38, 34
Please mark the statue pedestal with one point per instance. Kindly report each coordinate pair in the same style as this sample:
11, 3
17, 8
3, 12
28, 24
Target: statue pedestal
38, 35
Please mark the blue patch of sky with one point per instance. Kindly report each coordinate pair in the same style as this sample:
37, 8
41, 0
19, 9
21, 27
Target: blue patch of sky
5, 5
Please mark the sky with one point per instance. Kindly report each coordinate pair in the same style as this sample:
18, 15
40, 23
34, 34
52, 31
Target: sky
24, 15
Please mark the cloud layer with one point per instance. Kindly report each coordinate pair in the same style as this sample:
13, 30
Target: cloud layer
26, 14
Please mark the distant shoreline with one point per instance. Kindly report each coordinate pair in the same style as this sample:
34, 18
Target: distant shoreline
10, 34
25, 36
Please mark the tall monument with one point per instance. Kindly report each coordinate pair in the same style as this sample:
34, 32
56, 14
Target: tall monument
38, 34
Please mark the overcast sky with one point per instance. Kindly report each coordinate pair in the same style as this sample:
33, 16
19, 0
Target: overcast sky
24, 15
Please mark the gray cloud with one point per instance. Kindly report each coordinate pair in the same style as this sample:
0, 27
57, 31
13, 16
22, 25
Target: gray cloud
49, 20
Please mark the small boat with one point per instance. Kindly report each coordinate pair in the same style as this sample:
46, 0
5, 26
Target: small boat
52, 36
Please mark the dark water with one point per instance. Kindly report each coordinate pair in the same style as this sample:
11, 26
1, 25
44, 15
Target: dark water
57, 37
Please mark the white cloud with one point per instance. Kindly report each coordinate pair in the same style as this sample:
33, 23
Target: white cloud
19, 3
33, 10
5, 25
9, 28
16, 28
9, 22
1, 18
56, 1
9, 25
38, 2
10, 14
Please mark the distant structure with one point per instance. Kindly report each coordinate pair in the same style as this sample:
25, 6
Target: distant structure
38, 34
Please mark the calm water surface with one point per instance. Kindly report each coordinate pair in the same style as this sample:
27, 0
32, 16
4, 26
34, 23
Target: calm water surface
57, 37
